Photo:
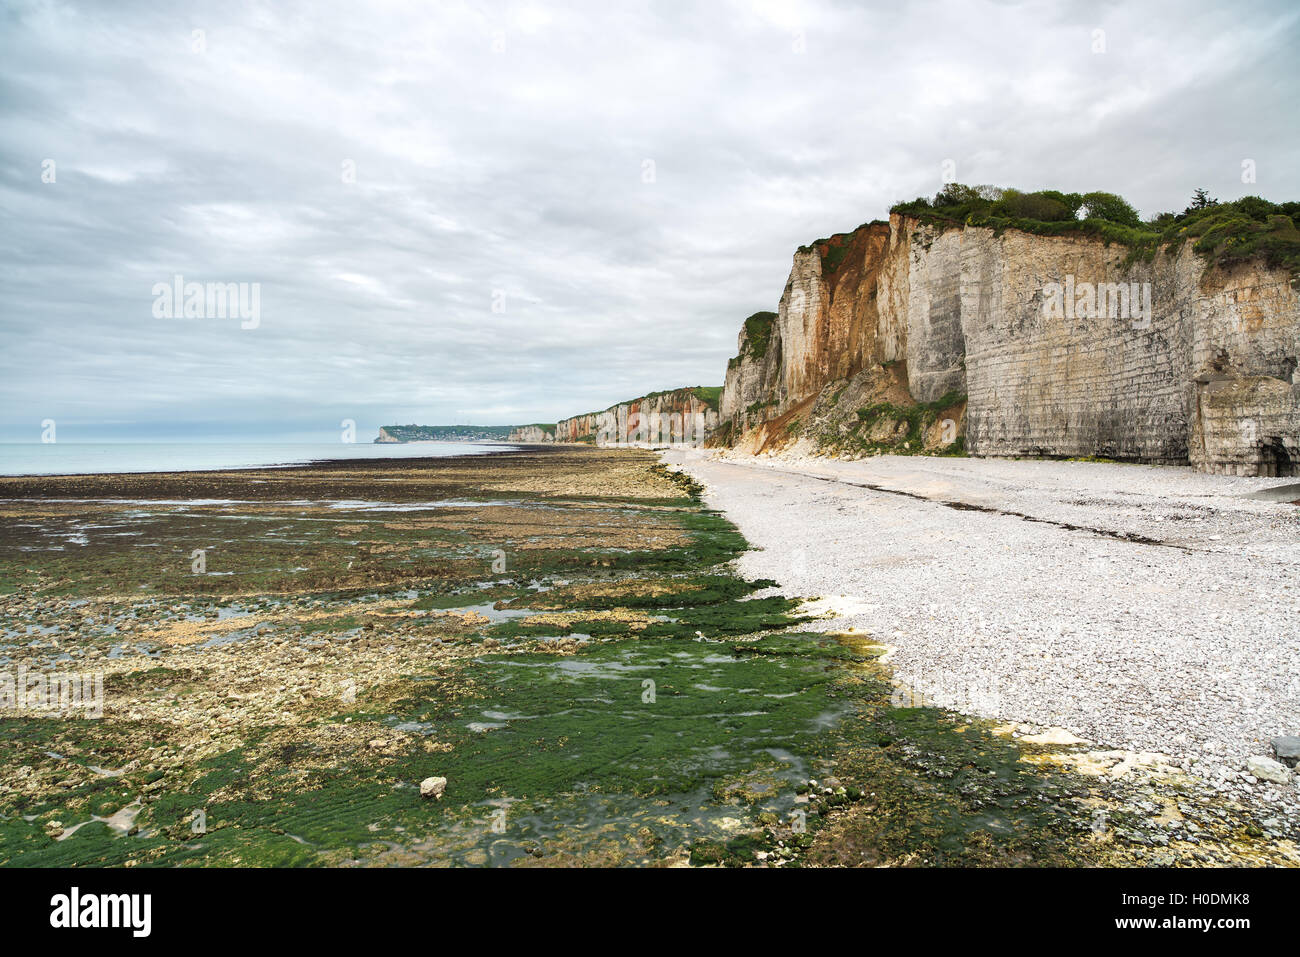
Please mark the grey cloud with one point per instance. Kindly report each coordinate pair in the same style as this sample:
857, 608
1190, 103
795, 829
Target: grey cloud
521, 171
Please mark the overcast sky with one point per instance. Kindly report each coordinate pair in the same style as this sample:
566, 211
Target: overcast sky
555, 206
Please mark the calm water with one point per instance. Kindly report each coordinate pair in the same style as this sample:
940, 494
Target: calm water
70, 458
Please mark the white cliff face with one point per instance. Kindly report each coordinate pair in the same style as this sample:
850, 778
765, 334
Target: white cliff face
755, 375
1196, 366
1245, 412
802, 327
676, 417
1147, 384
531, 435
1044, 381
942, 286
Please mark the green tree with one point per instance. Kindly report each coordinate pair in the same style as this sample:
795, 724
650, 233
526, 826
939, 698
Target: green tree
1037, 206
1112, 208
956, 194
1200, 200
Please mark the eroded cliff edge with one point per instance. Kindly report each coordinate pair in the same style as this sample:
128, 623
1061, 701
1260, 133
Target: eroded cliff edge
904, 335
676, 416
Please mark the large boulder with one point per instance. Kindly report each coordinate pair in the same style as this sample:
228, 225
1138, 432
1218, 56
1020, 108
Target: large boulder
1287, 749
1266, 769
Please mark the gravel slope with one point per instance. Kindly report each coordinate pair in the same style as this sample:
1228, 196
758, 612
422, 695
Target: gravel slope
1185, 641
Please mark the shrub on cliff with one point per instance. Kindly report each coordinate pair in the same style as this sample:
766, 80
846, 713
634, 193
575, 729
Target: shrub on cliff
1226, 233
758, 331
978, 205
956, 194
1036, 206
833, 258
955, 203
1053, 206
1112, 208
1071, 201
1250, 227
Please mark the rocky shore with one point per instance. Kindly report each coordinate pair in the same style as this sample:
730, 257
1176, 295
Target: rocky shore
1145, 609
549, 657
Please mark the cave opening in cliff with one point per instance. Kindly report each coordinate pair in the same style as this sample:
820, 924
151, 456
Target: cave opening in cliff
1274, 458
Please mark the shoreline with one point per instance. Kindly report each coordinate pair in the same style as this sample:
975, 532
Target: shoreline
1143, 609
521, 646
492, 448
327, 464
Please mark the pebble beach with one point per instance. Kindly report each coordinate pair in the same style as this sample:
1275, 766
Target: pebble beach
1143, 609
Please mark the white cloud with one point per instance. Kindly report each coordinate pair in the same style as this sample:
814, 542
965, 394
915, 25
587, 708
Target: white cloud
520, 170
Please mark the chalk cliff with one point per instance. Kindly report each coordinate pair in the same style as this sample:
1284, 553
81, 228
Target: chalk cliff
677, 416
532, 434
903, 335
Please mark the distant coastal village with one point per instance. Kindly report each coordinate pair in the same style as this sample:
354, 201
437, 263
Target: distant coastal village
389, 434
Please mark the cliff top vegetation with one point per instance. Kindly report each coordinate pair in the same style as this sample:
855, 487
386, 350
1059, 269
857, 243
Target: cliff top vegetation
710, 395
758, 332
1225, 233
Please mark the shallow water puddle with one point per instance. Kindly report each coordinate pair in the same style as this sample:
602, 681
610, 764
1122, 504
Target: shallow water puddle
632, 742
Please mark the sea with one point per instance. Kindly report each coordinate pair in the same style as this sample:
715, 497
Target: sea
89, 458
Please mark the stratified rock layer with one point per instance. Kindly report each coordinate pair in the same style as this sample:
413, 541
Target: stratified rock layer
1041, 335
531, 434
676, 417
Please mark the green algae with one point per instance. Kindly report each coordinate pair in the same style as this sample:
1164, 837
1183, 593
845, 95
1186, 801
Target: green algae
656, 712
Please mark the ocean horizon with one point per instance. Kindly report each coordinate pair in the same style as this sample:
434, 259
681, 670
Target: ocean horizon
93, 458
